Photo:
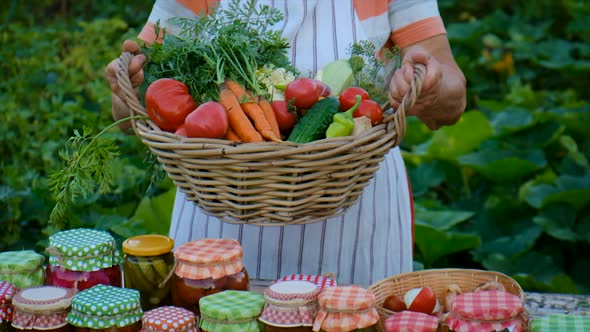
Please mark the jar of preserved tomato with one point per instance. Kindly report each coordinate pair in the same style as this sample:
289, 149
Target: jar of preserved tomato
169, 319
82, 258
147, 263
7, 291
345, 309
22, 268
231, 311
105, 308
205, 267
290, 306
43, 308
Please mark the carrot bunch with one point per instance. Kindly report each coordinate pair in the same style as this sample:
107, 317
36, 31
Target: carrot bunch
251, 119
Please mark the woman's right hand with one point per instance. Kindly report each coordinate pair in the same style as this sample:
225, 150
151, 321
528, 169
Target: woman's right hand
119, 106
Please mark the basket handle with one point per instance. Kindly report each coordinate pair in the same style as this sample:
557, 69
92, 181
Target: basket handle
407, 103
125, 84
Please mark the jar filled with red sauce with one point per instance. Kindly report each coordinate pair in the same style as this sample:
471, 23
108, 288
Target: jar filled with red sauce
43, 308
82, 258
205, 267
346, 309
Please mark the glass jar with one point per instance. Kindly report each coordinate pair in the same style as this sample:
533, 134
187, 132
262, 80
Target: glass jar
323, 281
291, 306
168, 318
7, 291
42, 308
147, 264
82, 258
106, 308
22, 268
346, 308
205, 267
231, 311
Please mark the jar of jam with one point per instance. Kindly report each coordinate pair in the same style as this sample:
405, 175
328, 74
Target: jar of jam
105, 308
291, 306
345, 309
147, 264
205, 267
82, 258
170, 319
7, 291
231, 311
22, 268
43, 308
322, 281
411, 321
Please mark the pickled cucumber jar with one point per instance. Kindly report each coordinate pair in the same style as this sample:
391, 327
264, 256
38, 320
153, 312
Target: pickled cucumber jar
205, 267
345, 309
105, 308
169, 319
82, 258
147, 263
43, 308
7, 291
22, 268
231, 311
291, 306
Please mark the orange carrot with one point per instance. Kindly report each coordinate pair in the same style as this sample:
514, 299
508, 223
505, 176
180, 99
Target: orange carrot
270, 116
238, 120
257, 116
232, 136
238, 90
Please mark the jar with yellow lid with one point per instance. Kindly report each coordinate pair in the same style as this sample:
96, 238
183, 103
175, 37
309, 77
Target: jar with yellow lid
7, 291
147, 264
346, 309
43, 308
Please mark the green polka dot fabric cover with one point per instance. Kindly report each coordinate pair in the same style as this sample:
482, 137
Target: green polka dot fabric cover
22, 268
83, 249
561, 322
231, 311
104, 306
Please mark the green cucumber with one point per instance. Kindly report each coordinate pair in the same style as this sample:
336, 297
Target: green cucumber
312, 126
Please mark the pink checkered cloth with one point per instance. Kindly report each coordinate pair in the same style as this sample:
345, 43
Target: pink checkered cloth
345, 308
486, 311
411, 321
209, 258
320, 281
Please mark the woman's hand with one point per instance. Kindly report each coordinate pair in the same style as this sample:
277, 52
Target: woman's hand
442, 99
119, 107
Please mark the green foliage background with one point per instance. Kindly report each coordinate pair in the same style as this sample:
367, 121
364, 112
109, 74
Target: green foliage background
505, 189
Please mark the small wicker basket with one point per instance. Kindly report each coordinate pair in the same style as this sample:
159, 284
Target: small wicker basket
271, 183
438, 280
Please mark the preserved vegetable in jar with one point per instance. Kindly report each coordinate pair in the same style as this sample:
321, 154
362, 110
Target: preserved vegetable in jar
82, 258
205, 267
7, 291
169, 318
43, 308
147, 263
106, 308
345, 309
22, 268
291, 306
231, 311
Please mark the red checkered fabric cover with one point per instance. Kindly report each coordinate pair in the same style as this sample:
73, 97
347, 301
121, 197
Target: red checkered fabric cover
209, 258
290, 303
411, 321
7, 291
320, 281
345, 308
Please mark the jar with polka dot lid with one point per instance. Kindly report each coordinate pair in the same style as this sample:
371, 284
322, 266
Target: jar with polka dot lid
42, 308
105, 308
7, 291
23, 268
82, 258
168, 319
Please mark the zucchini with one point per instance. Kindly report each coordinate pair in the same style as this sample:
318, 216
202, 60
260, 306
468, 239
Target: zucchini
313, 125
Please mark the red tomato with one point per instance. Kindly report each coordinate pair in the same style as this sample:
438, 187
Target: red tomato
209, 120
347, 98
285, 117
168, 102
303, 91
422, 299
371, 109
323, 89
181, 131
394, 303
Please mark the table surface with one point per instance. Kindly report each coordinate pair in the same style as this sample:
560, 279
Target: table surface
537, 304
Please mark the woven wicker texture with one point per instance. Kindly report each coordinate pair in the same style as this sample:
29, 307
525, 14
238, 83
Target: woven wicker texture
438, 280
271, 183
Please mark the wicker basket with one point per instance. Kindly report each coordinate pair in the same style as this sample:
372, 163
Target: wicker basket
439, 280
271, 183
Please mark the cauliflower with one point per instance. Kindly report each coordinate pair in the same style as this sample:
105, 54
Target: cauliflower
275, 80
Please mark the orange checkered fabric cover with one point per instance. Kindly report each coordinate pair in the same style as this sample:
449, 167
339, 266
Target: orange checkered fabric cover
345, 308
209, 258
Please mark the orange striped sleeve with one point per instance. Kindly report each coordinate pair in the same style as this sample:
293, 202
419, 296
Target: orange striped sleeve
370, 8
418, 31
148, 33
202, 7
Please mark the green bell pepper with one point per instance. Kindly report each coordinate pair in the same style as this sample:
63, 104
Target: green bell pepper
343, 124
